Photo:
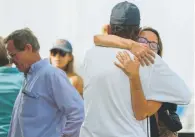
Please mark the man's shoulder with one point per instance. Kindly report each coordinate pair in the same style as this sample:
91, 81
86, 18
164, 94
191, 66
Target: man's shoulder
52, 71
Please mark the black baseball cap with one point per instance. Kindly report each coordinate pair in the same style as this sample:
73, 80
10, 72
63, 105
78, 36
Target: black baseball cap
63, 45
125, 13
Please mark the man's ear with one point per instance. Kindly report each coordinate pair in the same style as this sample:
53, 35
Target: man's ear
106, 29
109, 29
140, 30
28, 47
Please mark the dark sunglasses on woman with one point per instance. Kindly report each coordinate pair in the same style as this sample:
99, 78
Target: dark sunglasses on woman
54, 52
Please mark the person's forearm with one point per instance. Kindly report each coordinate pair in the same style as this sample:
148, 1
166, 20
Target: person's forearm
72, 128
139, 103
74, 121
141, 107
113, 41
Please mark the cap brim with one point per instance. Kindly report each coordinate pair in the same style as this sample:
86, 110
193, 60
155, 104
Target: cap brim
60, 48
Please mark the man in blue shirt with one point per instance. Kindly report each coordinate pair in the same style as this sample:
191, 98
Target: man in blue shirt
48, 105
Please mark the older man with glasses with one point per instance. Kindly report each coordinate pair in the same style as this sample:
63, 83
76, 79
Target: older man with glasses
48, 105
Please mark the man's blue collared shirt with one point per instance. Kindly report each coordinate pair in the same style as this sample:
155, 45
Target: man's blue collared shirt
47, 106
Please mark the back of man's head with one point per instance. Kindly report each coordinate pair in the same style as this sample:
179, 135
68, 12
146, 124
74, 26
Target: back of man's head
125, 20
4, 60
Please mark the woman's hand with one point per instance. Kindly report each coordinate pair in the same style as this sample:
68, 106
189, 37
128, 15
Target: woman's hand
127, 65
144, 54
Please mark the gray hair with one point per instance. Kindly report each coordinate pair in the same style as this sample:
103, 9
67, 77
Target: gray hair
22, 37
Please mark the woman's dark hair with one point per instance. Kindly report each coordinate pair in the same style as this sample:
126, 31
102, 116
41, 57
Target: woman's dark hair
4, 60
158, 36
125, 31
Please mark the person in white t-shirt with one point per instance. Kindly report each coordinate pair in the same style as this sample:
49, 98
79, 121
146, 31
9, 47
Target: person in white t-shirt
163, 122
107, 102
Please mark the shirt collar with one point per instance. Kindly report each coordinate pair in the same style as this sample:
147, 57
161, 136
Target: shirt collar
6, 69
38, 65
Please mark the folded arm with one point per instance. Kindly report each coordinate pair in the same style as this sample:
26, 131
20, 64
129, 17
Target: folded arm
70, 103
114, 41
140, 50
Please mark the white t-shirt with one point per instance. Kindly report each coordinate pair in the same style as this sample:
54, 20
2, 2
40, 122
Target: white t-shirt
107, 98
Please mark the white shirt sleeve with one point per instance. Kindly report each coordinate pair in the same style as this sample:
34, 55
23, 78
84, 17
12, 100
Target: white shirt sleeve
163, 84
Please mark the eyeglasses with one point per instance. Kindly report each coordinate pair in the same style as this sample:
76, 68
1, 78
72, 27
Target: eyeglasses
152, 45
12, 55
54, 52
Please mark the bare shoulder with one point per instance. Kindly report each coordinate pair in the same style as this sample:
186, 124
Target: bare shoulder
75, 79
77, 82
